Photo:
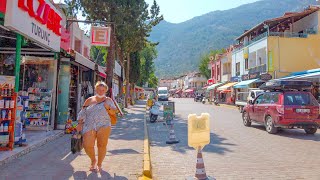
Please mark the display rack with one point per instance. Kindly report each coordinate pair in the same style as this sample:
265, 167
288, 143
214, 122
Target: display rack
37, 113
73, 92
7, 118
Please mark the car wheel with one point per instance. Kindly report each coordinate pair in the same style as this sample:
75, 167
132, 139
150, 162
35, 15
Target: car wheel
246, 119
310, 130
270, 126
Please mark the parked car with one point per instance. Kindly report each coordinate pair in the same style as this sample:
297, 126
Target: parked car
285, 108
244, 97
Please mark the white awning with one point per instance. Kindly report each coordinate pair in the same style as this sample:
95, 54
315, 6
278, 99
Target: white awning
102, 71
84, 61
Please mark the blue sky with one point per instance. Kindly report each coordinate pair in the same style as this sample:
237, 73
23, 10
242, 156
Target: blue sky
176, 11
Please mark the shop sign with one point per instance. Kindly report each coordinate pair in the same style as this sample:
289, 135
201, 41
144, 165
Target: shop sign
3, 4
117, 69
38, 20
65, 39
266, 77
246, 53
235, 79
250, 76
100, 36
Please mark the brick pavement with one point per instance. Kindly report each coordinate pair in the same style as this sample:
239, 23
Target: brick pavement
235, 151
54, 161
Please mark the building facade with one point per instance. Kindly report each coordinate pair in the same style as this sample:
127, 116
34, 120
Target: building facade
277, 46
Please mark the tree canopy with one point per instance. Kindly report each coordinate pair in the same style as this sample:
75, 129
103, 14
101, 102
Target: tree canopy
204, 61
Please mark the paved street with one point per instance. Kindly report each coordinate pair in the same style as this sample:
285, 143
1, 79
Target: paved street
54, 160
235, 151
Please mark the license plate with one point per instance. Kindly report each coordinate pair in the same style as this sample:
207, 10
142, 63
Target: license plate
303, 110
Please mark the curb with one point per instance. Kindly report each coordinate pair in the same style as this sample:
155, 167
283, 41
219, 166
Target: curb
147, 170
31, 148
228, 106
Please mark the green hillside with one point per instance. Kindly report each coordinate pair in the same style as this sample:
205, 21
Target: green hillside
181, 45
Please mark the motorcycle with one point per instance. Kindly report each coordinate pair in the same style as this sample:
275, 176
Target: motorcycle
154, 112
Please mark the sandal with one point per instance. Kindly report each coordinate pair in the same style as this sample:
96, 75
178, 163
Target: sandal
93, 168
98, 169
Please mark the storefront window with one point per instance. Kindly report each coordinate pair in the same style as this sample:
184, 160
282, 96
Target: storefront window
7, 64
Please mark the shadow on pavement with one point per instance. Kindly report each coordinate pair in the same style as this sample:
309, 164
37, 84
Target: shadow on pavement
158, 134
292, 133
123, 151
103, 175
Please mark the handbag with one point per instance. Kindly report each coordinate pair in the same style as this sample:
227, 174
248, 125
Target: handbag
113, 116
76, 142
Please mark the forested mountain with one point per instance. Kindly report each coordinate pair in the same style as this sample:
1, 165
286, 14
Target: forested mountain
182, 44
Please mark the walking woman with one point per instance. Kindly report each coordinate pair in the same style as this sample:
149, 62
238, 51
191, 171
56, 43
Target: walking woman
95, 124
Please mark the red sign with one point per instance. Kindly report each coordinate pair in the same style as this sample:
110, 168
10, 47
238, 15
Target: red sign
3, 4
100, 36
43, 14
65, 39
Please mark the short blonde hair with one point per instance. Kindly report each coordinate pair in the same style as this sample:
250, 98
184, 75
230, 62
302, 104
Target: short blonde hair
101, 84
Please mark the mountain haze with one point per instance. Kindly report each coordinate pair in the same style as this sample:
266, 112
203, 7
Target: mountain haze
181, 45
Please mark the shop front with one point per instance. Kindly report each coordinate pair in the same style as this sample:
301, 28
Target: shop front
28, 46
227, 93
212, 91
76, 82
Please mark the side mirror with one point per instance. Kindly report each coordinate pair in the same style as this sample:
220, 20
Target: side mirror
250, 102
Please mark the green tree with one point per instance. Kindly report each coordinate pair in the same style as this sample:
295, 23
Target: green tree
131, 20
153, 81
205, 60
135, 67
147, 57
99, 55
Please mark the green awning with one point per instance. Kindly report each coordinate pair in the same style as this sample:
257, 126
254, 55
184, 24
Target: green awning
213, 86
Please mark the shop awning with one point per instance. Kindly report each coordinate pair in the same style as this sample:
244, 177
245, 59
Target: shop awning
225, 87
178, 91
188, 90
213, 86
102, 72
244, 84
84, 61
310, 74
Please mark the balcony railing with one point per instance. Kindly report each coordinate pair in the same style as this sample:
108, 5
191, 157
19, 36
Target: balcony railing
279, 34
289, 35
262, 68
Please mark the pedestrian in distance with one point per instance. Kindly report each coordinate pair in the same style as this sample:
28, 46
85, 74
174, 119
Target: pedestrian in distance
95, 124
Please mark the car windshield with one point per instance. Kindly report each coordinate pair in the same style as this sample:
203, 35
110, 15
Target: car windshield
163, 91
300, 99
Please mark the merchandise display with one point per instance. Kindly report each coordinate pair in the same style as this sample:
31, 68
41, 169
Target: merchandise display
37, 113
7, 112
73, 92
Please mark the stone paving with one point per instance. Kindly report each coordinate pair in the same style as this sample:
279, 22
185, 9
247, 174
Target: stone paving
235, 152
54, 160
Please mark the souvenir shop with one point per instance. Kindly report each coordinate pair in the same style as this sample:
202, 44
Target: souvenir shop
76, 84
28, 74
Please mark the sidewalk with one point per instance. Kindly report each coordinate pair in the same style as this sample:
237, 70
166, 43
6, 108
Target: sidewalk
54, 160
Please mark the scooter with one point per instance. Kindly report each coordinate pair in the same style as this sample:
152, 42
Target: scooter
203, 100
215, 101
154, 112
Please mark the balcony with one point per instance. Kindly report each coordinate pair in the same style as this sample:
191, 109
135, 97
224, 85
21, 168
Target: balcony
262, 68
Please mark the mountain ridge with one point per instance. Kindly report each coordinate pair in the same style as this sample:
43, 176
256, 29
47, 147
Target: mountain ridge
182, 44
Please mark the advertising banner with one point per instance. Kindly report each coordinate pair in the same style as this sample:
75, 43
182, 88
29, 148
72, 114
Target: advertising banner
37, 20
